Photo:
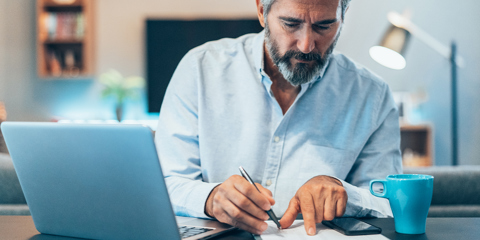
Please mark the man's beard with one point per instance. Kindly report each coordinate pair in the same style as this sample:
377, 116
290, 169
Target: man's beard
300, 73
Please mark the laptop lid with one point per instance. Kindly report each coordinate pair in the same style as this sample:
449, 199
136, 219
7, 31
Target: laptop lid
92, 181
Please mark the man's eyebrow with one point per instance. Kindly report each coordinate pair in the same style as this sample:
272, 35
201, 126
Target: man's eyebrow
291, 19
296, 20
326, 21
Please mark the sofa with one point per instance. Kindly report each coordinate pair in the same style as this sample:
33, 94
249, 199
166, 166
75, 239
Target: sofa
12, 201
456, 190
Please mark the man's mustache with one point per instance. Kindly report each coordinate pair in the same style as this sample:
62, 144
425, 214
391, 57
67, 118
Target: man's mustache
302, 56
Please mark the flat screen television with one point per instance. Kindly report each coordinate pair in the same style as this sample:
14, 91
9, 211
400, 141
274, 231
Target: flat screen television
167, 41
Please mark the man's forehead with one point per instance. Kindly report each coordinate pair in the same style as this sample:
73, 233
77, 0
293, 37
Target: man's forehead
298, 8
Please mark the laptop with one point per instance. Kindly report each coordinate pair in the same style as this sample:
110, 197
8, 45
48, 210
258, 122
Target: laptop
97, 181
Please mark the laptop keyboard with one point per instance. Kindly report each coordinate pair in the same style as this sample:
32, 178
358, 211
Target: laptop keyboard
188, 231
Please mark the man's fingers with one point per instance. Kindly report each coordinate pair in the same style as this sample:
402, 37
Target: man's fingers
320, 198
267, 193
330, 209
252, 193
251, 229
234, 207
320, 207
308, 211
243, 220
263, 190
245, 204
291, 214
341, 207
225, 218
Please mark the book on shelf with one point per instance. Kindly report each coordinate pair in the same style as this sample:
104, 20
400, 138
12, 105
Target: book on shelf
64, 25
62, 63
64, 39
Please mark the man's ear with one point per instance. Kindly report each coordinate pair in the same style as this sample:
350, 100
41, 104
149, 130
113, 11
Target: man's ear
260, 15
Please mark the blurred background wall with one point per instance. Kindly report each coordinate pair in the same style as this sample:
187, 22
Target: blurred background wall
3, 45
120, 45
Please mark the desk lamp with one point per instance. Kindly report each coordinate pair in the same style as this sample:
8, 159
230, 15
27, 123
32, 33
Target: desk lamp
390, 53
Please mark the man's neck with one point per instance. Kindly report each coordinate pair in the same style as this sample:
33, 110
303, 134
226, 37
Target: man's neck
284, 92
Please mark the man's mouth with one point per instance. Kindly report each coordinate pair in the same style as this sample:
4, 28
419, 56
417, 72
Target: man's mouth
303, 60
300, 60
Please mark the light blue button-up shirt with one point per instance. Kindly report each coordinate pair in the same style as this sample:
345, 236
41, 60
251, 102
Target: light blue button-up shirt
219, 113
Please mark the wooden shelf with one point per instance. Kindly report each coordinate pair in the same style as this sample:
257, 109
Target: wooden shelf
416, 145
62, 8
53, 3
65, 39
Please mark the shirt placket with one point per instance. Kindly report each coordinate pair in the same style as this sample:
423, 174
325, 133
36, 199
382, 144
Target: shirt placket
274, 157
277, 141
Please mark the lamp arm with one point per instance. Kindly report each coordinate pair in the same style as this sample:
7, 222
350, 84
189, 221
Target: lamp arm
402, 22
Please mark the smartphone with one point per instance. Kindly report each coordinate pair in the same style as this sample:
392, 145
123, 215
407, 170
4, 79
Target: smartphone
352, 226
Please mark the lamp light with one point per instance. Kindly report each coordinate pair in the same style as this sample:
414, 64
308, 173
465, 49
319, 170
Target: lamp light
64, 2
390, 53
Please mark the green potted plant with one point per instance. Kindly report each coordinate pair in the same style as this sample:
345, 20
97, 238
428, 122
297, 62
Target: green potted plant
120, 88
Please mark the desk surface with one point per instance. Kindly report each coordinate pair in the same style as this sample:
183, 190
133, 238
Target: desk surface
437, 228
22, 228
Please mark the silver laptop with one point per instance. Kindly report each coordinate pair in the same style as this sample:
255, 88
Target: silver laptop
97, 181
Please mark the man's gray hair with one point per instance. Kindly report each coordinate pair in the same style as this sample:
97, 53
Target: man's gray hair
267, 4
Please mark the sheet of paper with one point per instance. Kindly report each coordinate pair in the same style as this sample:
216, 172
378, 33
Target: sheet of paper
297, 231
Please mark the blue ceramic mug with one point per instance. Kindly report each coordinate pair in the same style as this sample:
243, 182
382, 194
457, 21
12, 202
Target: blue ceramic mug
410, 196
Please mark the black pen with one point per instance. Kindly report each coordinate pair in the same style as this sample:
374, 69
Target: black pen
269, 212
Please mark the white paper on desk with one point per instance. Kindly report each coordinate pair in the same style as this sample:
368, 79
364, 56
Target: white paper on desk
297, 231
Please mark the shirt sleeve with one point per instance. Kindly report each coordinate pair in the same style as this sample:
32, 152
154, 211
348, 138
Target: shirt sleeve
379, 158
177, 141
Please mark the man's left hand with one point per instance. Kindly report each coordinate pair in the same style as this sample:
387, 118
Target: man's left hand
321, 198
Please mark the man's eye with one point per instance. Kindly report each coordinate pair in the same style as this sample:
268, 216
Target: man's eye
322, 27
291, 25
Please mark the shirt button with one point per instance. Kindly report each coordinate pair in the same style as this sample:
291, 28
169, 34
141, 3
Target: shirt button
276, 139
269, 182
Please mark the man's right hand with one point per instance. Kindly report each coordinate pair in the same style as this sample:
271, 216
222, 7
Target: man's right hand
3, 113
238, 203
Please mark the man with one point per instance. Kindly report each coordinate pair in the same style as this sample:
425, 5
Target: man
3, 112
312, 128
3, 117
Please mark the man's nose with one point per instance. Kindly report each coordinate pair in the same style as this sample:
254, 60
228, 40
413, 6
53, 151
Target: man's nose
305, 42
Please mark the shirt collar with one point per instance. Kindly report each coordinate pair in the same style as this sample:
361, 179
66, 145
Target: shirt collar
258, 51
258, 55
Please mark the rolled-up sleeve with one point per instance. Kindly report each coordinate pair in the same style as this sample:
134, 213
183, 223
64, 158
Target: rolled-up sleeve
379, 157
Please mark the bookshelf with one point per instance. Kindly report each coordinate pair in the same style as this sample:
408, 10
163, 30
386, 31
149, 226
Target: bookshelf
416, 145
65, 39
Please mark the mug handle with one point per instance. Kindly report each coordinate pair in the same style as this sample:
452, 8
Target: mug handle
384, 183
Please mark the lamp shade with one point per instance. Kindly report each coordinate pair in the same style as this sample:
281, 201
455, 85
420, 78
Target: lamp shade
64, 2
391, 49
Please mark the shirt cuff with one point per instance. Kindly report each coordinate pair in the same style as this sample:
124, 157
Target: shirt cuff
353, 200
197, 199
361, 203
